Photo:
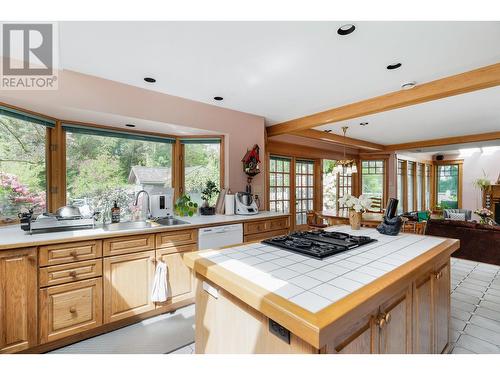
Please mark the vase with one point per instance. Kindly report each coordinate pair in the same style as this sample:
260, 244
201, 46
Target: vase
355, 219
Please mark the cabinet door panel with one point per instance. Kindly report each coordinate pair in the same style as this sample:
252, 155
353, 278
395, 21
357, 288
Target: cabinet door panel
396, 332
441, 291
127, 285
18, 300
423, 320
70, 308
179, 276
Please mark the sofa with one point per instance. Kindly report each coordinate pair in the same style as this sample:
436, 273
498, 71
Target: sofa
478, 242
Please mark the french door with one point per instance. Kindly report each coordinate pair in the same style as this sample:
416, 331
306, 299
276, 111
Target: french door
291, 187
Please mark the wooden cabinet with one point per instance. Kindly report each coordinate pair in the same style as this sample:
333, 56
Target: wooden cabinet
69, 309
360, 338
441, 301
179, 276
177, 238
18, 300
127, 285
423, 316
128, 244
69, 252
262, 229
65, 273
394, 324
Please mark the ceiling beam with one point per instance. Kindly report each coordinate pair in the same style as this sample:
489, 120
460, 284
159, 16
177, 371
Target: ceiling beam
339, 139
478, 79
444, 141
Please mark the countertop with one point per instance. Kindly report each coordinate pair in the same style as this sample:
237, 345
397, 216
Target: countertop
13, 236
311, 291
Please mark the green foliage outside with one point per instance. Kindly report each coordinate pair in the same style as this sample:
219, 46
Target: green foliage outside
201, 164
22, 167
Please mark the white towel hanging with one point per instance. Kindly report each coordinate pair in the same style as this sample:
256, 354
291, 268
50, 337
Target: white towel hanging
159, 292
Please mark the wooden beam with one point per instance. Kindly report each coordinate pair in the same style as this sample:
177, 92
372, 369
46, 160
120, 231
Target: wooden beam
478, 79
445, 141
338, 139
305, 152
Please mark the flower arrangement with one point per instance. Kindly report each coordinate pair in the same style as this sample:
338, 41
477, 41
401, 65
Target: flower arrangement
484, 214
360, 204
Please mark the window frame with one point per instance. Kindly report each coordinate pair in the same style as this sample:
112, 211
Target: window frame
404, 175
436, 164
384, 176
50, 127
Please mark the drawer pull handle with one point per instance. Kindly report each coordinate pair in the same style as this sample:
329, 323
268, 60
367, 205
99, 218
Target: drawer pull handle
72, 309
72, 273
74, 254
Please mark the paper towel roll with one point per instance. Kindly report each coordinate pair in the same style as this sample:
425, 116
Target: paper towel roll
229, 204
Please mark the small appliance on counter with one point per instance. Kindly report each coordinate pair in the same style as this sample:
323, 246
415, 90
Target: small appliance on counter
65, 218
245, 204
162, 204
392, 223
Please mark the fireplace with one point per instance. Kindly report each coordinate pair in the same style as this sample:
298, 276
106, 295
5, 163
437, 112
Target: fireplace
491, 200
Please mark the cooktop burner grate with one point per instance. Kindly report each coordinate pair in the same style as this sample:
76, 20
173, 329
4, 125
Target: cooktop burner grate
318, 244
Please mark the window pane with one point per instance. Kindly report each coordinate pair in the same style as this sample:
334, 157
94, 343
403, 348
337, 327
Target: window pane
329, 185
100, 170
201, 164
372, 178
23, 180
410, 186
400, 187
447, 186
279, 186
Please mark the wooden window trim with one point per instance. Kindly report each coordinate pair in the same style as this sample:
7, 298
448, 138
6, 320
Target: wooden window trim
385, 183
459, 163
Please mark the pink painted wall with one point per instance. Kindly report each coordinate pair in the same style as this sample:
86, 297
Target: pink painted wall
86, 98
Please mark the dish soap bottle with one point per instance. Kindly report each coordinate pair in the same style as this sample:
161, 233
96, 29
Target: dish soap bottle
115, 213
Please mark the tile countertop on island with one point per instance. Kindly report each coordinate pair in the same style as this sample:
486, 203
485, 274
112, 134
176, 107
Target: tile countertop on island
13, 236
307, 290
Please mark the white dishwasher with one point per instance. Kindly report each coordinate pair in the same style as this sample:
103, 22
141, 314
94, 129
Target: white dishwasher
217, 237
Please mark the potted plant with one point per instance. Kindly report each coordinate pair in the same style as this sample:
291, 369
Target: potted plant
207, 195
356, 208
485, 215
482, 183
185, 207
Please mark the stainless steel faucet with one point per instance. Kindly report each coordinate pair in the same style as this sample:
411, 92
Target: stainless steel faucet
149, 205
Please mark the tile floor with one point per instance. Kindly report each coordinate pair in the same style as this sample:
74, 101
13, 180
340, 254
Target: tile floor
475, 325
475, 307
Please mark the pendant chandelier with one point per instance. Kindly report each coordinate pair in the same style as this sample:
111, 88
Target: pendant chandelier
348, 164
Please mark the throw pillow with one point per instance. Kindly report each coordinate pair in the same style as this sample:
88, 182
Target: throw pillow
457, 216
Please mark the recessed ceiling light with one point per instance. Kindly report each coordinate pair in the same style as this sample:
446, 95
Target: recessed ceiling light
346, 29
150, 80
408, 85
218, 98
327, 130
363, 123
394, 66
130, 125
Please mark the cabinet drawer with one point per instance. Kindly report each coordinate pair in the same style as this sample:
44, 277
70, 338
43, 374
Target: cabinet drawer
69, 252
255, 227
177, 238
69, 309
129, 244
264, 235
65, 273
277, 224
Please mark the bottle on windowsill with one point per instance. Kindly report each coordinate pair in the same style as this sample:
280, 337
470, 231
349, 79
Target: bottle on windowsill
115, 213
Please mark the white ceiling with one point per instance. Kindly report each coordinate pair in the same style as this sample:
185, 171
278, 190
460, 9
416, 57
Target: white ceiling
279, 70
472, 113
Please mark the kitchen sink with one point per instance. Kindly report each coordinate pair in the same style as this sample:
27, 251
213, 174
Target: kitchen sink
127, 225
170, 221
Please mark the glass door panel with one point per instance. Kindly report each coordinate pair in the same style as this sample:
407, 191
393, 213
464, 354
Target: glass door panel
304, 190
279, 184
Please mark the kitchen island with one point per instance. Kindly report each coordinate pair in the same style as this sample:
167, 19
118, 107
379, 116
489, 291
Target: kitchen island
390, 296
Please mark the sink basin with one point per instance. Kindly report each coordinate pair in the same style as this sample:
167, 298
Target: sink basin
127, 225
170, 221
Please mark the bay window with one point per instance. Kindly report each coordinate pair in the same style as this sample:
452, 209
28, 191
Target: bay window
23, 163
201, 163
103, 166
